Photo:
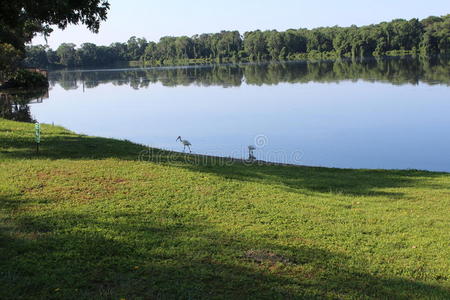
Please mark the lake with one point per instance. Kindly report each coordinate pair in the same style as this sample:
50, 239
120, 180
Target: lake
374, 113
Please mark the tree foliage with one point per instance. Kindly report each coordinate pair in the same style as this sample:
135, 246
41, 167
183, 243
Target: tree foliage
9, 60
429, 37
21, 20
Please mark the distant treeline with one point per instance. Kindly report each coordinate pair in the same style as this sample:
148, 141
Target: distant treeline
427, 37
406, 70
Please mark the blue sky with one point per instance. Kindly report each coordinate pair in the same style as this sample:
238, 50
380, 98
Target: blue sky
154, 19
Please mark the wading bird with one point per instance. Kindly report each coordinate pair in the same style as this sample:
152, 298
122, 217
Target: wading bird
185, 143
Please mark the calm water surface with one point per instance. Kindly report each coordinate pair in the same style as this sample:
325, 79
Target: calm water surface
390, 114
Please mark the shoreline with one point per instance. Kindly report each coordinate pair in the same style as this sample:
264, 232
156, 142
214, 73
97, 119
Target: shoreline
159, 155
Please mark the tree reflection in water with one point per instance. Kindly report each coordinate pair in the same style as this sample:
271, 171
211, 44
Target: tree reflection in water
405, 70
14, 105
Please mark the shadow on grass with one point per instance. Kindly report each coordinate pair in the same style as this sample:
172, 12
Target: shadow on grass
172, 255
356, 182
70, 146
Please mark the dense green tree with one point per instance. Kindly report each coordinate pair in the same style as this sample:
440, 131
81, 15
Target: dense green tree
184, 47
9, 60
255, 44
136, 48
203, 47
275, 43
150, 53
120, 51
436, 38
36, 56
228, 43
342, 42
21, 20
67, 54
166, 48
52, 57
295, 41
87, 54
319, 40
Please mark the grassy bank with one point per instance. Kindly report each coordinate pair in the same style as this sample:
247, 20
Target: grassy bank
85, 219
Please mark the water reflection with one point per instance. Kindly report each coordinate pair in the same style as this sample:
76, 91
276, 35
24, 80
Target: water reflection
407, 70
14, 105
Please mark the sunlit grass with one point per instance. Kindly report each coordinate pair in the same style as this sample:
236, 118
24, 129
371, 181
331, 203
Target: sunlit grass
85, 219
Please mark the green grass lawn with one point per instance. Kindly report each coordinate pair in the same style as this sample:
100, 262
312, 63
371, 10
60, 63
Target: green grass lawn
85, 219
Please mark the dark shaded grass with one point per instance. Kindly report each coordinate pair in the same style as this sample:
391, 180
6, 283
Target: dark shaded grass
63, 263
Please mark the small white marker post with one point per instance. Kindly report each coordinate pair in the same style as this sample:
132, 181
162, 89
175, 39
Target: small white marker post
37, 129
